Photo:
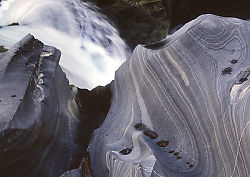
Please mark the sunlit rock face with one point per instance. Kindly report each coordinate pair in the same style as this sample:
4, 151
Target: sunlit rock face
181, 107
38, 117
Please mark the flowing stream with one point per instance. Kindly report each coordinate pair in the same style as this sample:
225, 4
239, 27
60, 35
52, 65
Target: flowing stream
91, 47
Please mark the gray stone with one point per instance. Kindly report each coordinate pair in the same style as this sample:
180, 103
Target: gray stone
38, 125
189, 91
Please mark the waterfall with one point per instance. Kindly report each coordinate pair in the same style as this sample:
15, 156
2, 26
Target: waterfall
91, 47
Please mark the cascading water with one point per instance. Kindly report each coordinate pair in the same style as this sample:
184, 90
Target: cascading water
91, 47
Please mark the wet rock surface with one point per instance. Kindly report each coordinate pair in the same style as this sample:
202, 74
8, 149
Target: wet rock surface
41, 131
37, 131
180, 108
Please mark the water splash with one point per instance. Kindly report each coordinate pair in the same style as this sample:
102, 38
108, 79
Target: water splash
91, 47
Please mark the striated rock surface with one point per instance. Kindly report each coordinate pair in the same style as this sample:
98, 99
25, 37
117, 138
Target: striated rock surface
180, 107
45, 124
39, 125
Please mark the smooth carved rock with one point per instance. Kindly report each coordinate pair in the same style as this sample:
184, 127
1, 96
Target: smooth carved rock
191, 90
38, 125
45, 125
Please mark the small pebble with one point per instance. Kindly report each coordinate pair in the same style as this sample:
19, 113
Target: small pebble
172, 151
176, 153
227, 70
150, 133
162, 143
140, 126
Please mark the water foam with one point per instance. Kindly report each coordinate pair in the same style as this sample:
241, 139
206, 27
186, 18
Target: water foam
91, 47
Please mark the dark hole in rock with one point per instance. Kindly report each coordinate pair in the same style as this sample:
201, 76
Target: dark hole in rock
243, 76
162, 143
13, 24
156, 45
190, 166
187, 163
176, 153
179, 157
242, 80
227, 70
13, 96
140, 126
172, 151
94, 105
109, 41
150, 133
21, 99
126, 151
234, 61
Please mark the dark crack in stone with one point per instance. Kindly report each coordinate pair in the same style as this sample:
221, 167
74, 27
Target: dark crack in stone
126, 151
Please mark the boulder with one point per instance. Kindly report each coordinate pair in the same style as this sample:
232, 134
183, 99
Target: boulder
180, 107
41, 131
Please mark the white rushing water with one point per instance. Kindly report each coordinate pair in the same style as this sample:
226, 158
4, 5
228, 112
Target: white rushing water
91, 47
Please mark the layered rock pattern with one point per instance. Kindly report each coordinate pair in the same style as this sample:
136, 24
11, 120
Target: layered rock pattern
39, 122
181, 106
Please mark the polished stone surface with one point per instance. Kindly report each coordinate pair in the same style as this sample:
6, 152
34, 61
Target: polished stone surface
181, 107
